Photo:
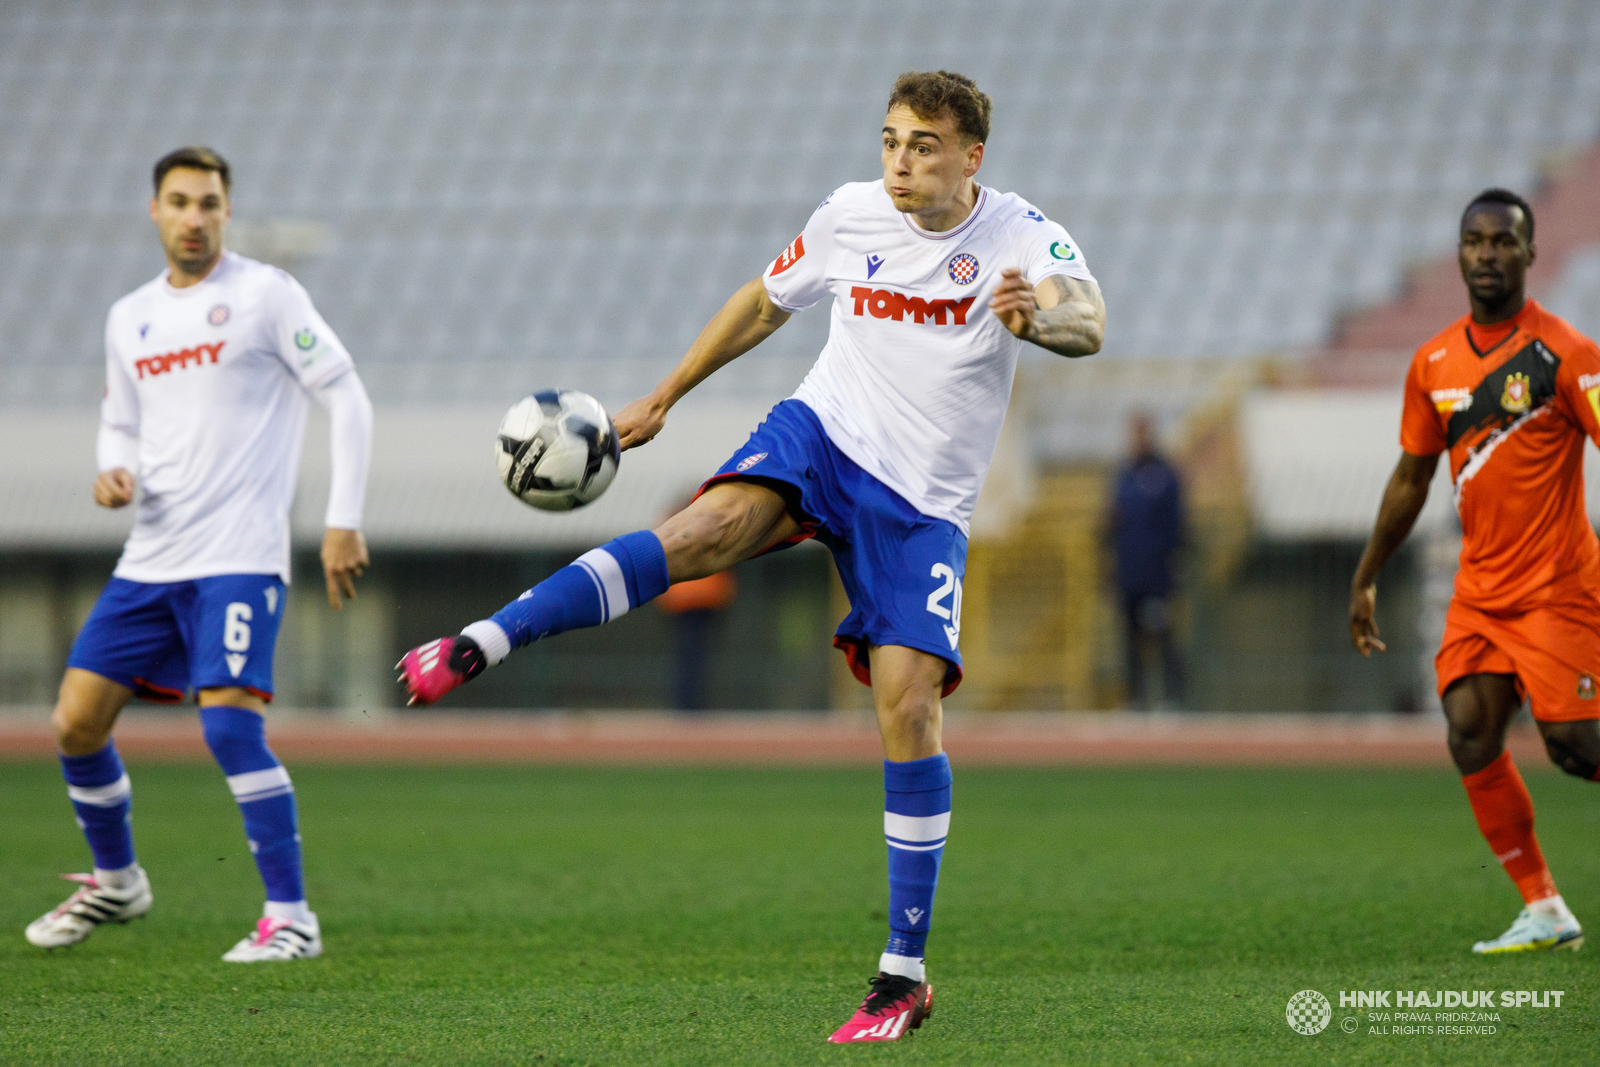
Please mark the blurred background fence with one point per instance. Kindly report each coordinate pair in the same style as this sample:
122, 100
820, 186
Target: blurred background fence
488, 198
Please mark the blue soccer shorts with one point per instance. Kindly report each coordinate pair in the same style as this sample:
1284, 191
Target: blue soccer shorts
901, 569
161, 639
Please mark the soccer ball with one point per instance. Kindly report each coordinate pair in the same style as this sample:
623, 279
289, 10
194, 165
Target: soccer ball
556, 450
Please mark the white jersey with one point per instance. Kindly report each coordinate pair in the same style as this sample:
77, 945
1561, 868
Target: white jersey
916, 375
206, 403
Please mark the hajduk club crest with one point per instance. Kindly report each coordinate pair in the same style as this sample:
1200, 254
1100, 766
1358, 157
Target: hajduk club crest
1518, 394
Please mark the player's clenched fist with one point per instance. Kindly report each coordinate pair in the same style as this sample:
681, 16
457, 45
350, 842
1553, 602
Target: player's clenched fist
114, 488
1014, 302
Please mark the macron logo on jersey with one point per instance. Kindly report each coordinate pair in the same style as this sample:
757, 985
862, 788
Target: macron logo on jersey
888, 304
178, 360
790, 256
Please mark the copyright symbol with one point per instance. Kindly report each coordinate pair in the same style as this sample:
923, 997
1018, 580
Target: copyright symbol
1350, 1025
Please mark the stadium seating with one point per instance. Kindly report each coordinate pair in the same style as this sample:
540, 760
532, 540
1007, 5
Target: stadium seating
563, 192
1372, 348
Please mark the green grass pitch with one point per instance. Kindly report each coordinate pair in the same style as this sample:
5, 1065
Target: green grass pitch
605, 916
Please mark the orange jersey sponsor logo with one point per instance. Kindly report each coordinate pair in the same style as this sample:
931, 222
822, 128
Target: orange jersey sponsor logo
1447, 401
154, 365
888, 304
1590, 384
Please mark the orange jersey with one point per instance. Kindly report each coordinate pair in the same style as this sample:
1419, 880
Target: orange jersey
1513, 419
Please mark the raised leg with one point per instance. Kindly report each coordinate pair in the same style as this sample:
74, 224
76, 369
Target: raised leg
730, 522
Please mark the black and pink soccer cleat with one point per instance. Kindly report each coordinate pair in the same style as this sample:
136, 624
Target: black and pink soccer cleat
430, 671
897, 1005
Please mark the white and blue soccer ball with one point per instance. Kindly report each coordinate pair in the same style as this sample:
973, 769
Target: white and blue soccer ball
557, 449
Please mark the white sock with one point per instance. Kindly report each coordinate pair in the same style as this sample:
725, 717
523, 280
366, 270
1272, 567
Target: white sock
295, 911
121, 878
491, 639
1554, 907
907, 966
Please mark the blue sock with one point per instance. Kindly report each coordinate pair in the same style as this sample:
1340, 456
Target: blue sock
260, 784
916, 818
597, 587
103, 798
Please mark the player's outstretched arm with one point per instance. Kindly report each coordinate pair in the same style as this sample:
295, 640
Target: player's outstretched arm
748, 318
1402, 503
1065, 315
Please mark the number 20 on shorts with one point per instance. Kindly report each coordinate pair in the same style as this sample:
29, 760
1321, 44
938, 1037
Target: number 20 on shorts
950, 586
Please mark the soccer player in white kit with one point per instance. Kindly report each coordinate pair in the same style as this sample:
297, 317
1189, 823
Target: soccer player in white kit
936, 282
208, 371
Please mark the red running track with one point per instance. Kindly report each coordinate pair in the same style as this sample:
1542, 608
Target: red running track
1021, 739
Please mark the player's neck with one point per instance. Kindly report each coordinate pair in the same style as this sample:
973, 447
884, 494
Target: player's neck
180, 277
1485, 314
952, 214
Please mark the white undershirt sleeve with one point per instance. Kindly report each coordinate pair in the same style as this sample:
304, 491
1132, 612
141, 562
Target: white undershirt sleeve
117, 444
349, 410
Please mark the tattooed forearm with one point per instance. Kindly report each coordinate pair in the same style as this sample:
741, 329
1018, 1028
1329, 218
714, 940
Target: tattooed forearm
1071, 318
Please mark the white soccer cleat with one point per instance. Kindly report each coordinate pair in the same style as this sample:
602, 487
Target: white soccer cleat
278, 939
1535, 931
93, 904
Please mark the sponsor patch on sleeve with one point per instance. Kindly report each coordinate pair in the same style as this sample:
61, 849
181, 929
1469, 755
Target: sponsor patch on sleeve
790, 256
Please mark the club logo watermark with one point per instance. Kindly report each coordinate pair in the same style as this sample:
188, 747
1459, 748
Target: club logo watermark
1410, 1012
1308, 1012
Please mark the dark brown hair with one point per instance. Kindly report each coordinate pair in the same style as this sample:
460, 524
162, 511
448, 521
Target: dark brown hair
939, 93
198, 157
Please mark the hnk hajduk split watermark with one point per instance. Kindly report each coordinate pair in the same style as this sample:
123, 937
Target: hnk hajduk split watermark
1405, 1012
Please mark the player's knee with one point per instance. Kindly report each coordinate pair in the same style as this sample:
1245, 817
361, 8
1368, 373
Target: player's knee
1475, 749
1577, 753
705, 539
1471, 726
77, 733
910, 709
720, 526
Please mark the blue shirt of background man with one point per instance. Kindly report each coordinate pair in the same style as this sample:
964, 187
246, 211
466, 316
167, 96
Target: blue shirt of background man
1146, 526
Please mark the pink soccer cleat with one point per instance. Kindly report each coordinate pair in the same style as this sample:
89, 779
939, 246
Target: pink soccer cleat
897, 1005
278, 939
430, 671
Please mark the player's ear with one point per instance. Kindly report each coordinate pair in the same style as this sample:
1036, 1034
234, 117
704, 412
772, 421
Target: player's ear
974, 159
155, 203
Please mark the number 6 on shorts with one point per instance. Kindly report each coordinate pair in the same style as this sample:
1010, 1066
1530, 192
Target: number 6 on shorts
236, 627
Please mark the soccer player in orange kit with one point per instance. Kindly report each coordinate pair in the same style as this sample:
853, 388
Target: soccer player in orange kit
1509, 391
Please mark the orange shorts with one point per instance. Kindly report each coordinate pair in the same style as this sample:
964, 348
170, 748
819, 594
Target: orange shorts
1553, 651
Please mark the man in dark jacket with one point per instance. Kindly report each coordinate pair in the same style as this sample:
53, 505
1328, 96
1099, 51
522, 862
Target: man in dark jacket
1146, 531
